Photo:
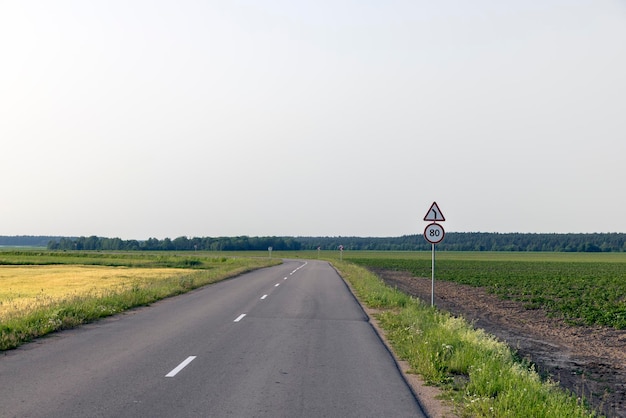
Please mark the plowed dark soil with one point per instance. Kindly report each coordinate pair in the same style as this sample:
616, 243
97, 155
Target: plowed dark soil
588, 361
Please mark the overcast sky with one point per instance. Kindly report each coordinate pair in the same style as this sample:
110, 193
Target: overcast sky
140, 119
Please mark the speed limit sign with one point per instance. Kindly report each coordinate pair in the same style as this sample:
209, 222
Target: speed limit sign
434, 233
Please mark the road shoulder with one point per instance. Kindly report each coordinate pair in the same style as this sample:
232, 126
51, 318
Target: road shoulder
430, 397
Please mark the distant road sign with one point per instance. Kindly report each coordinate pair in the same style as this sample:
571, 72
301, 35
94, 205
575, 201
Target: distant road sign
434, 233
434, 214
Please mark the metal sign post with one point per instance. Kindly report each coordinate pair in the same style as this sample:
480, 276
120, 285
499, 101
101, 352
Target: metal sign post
434, 234
432, 286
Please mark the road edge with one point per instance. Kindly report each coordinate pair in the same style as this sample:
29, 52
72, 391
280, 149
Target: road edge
429, 397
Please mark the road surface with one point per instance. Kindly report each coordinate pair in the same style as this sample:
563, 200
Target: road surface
286, 341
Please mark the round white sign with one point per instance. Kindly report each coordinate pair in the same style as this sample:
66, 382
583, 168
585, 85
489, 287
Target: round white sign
434, 233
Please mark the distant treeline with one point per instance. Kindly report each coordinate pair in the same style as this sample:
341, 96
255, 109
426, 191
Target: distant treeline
454, 241
27, 240
479, 241
242, 243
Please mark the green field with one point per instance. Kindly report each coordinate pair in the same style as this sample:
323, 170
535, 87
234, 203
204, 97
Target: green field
582, 288
480, 376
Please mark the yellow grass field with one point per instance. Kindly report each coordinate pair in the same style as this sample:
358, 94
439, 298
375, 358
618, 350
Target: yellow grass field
24, 288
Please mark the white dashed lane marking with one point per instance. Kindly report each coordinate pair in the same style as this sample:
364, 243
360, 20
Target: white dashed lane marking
189, 359
181, 366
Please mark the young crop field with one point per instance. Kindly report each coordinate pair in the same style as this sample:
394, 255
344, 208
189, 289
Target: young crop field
584, 289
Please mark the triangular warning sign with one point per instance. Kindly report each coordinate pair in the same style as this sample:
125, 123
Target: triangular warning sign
434, 214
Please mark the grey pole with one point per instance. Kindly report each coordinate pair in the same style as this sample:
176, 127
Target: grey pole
432, 293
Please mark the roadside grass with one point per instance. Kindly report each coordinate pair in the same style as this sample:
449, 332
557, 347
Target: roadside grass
479, 374
33, 305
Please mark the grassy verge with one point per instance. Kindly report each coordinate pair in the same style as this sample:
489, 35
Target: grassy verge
481, 375
77, 308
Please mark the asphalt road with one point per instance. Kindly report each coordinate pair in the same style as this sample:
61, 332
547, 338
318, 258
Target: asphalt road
287, 341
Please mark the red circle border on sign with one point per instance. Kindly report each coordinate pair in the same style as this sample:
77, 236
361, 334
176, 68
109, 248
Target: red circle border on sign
443, 233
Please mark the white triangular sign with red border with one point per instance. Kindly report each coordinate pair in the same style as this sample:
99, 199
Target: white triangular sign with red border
434, 214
